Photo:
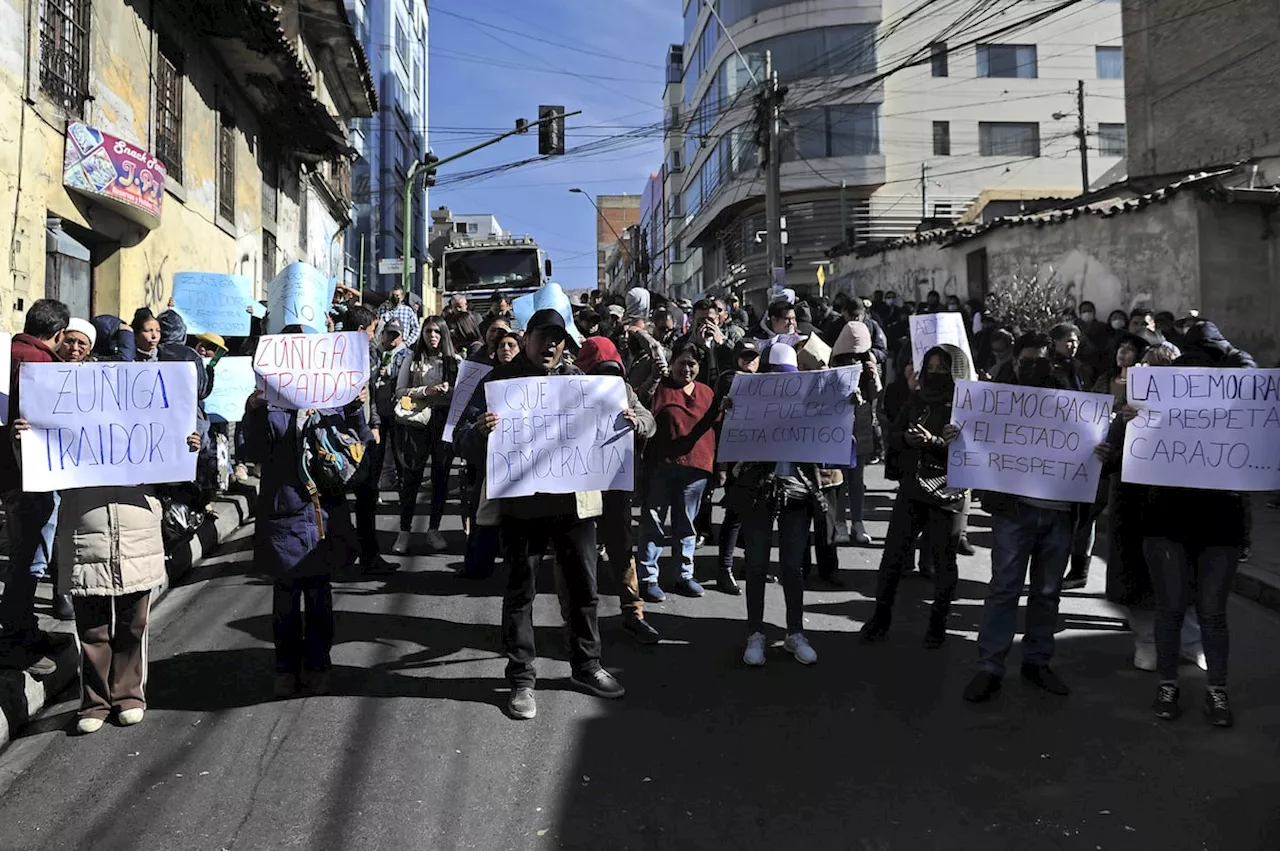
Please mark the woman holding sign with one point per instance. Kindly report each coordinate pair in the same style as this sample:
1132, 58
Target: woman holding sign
424, 390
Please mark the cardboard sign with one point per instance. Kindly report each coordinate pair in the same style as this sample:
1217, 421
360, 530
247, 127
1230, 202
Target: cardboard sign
936, 329
233, 384
213, 304
97, 424
1029, 441
299, 295
303, 371
559, 434
791, 416
1217, 429
470, 374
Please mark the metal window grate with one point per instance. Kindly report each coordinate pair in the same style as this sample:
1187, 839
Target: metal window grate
268, 255
226, 170
64, 51
169, 109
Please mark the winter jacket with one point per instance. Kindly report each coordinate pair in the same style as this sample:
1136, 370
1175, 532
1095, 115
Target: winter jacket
111, 539
173, 347
23, 349
384, 380
295, 536
1205, 346
115, 343
864, 416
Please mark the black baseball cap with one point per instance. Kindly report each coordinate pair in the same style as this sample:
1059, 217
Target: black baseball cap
746, 348
549, 318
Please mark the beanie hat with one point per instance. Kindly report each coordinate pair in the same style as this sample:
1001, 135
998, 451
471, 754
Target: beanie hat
855, 338
782, 358
85, 327
595, 351
637, 306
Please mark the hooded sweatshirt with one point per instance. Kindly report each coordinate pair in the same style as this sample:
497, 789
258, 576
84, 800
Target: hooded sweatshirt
173, 347
1205, 344
115, 343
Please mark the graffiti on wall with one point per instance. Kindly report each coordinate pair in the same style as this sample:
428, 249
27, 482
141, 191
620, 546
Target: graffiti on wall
912, 284
155, 290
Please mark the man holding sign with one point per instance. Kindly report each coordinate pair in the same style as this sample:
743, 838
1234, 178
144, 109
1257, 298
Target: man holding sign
566, 520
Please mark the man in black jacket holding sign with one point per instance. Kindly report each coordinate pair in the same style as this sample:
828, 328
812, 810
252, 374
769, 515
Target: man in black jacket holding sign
565, 520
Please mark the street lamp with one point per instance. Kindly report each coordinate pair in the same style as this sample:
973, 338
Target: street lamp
576, 191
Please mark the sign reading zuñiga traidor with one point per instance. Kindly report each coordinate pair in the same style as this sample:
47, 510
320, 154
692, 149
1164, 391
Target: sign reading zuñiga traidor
1199, 427
303, 371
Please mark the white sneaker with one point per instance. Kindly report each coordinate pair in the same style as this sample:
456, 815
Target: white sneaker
1195, 653
1144, 656
799, 647
129, 717
402, 544
754, 654
85, 726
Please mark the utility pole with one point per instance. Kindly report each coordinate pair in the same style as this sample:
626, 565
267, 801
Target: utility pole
924, 192
844, 213
769, 119
1084, 139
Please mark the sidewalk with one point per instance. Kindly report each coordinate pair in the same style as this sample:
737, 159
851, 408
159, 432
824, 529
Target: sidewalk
22, 696
1259, 578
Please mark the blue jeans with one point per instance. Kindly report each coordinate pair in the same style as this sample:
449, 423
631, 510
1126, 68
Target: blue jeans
32, 520
1042, 537
1183, 575
678, 489
793, 542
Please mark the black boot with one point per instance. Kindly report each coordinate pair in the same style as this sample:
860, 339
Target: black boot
878, 627
936, 634
1078, 576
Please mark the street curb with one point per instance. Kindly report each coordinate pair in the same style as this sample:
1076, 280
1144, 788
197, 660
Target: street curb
22, 696
1258, 586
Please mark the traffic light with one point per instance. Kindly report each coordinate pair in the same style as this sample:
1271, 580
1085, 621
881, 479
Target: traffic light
429, 169
551, 131
786, 263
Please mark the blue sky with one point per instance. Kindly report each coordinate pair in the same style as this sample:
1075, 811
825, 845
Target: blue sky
482, 78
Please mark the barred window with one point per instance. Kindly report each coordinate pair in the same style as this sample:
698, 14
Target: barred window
64, 52
169, 109
996, 139
1112, 140
226, 169
268, 255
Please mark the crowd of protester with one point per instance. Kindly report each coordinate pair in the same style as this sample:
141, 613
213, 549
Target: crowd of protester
1170, 552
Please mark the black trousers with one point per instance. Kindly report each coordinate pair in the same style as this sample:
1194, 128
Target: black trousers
303, 638
367, 503
939, 538
525, 541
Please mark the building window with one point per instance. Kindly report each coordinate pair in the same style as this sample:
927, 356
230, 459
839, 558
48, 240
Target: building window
942, 138
270, 184
997, 139
268, 255
169, 109
402, 43
64, 52
1007, 60
226, 168
304, 225
1110, 63
1112, 141
853, 130
938, 58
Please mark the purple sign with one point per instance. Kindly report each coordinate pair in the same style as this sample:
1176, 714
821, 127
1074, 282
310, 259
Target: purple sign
127, 178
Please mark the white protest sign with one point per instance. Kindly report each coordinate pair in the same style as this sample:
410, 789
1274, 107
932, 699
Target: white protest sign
6, 374
1217, 429
233, 384
97, 424
936, 329
303, 371
213, 303
470, 374
559, 434
1031, 441
804, 417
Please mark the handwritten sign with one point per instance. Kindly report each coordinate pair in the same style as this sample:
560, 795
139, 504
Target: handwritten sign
303, 371
213, 304
6, 374
1030, 441
299, 295
97, 424
470, 374
559, 434
791, 416
937, 329
233, 384
1217, 429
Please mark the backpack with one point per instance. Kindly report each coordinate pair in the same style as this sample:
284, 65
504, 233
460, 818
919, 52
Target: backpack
330, 457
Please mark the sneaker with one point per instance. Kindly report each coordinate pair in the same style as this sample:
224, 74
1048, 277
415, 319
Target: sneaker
726, 584
601, 683
771, 578
313, 684
1044, 677
754, 654
689, 588
700, 542
652, 593
436, 542
1166, 705
1217, 709
1074, 583
641, 631
1144, 657
130, 717
401, 546
964, 548
521, 705
878, 627
1246, 553
1194, 653
984, 686
378, 567
799, 646
86, 726
862, 539
35, 663
62, 608
285, 685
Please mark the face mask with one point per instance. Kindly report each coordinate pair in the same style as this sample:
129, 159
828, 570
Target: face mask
953, 307
1087, 316
891, 301
1118, 324
1033, 372
937, 384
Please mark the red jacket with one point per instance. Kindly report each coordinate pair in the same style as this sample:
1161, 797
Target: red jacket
25, 349
685, 436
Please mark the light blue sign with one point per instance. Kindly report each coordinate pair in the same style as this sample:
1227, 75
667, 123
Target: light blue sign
213, 304
233, 384
299, 295
548, 296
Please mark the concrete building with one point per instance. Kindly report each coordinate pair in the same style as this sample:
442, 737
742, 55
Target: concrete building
872, 148
617, 213
1195, 101
474, 225
395, 35
652, 267
154, 139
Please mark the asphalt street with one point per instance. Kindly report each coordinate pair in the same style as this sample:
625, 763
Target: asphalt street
872, 749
